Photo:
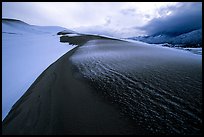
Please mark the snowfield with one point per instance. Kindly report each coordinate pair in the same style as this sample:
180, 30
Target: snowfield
27, 50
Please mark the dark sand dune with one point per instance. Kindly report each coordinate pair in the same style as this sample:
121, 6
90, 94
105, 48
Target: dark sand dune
113, 87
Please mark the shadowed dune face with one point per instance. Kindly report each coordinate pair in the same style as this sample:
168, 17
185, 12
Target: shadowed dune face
158, 88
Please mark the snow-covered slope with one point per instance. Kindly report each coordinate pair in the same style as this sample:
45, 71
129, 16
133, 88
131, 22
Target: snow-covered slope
27, 50
193, 38
20, 27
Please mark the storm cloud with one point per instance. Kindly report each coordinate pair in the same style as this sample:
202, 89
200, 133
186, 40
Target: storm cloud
120, 19
184, 18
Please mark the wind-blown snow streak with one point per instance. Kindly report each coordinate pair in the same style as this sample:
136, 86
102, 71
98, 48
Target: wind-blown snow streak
158, 88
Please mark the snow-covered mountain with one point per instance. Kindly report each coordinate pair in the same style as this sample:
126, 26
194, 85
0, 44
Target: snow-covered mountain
27, 50
190, 39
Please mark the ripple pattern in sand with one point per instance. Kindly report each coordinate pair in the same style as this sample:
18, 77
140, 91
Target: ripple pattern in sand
156, 95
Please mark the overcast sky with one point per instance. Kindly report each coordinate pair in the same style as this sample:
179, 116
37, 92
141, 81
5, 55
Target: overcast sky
121, 19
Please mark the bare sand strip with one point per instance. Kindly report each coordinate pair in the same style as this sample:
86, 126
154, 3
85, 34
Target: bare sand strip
58, 103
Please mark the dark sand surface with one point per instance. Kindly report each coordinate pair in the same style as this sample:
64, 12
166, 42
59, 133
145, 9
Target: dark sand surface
63, 100
159, 88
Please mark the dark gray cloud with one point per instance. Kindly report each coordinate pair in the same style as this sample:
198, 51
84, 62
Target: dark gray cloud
184, 18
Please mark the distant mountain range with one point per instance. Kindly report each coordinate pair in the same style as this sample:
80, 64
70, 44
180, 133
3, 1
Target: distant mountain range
190, 39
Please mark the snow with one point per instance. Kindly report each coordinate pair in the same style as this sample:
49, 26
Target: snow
195, 50
191, 41
192, 38
23, 28
27, 51
72, 35
66, 31
136, 41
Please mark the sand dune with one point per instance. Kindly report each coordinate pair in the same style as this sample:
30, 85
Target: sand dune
113, 87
